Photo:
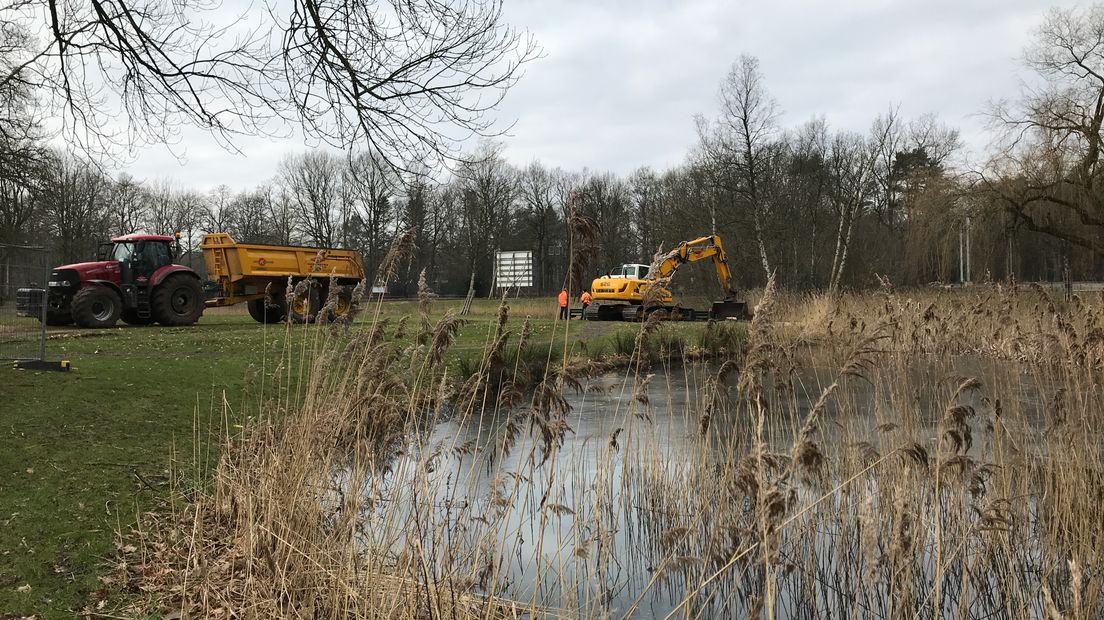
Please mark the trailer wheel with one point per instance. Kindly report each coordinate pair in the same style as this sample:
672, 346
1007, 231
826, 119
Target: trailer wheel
96, 306
178, 300
264, 312
343, 302
305, 306
130, 317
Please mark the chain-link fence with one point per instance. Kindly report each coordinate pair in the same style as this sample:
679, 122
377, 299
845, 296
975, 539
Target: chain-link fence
24, 275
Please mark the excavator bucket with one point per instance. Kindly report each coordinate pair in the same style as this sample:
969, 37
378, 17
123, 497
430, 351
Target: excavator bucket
726, 309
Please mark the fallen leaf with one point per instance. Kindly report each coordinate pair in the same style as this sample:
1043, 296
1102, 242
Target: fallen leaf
24, 588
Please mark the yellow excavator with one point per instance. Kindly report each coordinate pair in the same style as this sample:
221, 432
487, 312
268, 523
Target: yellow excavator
633, 290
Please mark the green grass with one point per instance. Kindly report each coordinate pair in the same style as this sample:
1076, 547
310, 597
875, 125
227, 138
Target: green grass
83, 453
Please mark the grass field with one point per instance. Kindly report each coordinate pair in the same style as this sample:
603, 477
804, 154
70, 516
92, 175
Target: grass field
82, 453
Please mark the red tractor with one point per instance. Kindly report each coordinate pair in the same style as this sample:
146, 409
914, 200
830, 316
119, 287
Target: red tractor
134, 279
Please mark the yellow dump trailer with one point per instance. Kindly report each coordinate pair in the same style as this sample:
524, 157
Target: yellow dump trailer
258, 275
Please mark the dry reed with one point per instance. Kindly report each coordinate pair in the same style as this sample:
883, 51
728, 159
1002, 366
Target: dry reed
904, 453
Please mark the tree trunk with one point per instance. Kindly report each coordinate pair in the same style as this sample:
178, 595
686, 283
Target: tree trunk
762, 247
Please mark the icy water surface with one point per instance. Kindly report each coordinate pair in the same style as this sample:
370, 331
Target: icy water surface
584, 529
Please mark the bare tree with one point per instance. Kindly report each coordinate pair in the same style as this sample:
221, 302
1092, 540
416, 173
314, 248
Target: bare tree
1048, 175
537, 193
219, 209
190, 214
126, 205
604, 198
407, 78
20, 129
737, 142
371, 186
72, 198
487, 185
248, 218
161, 214
21, 154
445, 237
313, 184
645, 193
281, 214
414, 214
17, 209
853, 160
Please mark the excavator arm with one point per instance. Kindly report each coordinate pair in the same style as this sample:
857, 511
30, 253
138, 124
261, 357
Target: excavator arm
696, 250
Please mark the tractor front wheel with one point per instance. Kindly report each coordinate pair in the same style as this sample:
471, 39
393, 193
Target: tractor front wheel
96, 306
178, 301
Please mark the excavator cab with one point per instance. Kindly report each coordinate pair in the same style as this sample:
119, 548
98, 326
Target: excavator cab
629, 271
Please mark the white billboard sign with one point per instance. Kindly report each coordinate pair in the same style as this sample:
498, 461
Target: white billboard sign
513, 269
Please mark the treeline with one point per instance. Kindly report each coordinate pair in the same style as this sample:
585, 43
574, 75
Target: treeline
829, 209
821, 208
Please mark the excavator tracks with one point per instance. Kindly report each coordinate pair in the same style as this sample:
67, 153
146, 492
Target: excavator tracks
635, 312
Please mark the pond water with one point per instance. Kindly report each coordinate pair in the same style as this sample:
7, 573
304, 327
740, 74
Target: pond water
585, 529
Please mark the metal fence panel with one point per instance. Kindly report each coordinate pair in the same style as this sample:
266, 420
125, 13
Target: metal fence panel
24, 273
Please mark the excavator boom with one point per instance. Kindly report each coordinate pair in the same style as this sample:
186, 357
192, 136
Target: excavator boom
696, 250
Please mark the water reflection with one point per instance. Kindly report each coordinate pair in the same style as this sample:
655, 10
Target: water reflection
614, 520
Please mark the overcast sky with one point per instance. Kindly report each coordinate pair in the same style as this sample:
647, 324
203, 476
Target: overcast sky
620, 81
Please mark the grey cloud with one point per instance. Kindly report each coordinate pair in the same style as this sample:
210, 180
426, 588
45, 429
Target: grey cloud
621, 81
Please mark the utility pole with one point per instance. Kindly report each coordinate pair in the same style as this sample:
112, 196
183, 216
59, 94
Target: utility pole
961, 257
964, 252
969, 279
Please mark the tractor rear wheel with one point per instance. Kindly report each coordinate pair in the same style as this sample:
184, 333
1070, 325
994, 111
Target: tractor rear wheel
130, 317
265, 311
96, 306
178, 300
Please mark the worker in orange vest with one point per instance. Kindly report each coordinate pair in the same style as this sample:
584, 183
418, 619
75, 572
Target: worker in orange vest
585, 298
563, 304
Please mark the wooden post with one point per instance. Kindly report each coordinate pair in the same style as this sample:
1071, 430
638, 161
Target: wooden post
464, 311
1067, 278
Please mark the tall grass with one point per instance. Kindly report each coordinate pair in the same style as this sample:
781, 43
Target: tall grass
884, 455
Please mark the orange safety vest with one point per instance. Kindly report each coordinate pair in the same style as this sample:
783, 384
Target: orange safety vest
586, 297
563, 299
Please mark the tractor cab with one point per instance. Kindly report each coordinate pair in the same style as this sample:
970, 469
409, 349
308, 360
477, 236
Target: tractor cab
139, 256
